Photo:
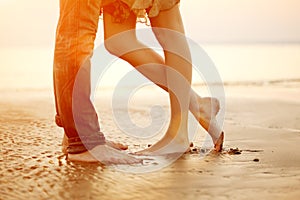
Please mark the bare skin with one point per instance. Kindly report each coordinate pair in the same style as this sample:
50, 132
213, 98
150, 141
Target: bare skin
203, 109
104, 154
219, 143
115, 145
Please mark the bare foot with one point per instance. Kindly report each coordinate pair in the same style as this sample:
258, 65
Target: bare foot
163, 147
205, 112
112, 144
168, 144
219, 143
205, 109
105, 155
116, 145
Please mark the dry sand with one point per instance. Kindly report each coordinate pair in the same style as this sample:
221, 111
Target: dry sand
262, 121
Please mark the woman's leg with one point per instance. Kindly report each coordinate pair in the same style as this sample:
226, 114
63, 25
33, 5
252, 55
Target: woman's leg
169, 31
120, 40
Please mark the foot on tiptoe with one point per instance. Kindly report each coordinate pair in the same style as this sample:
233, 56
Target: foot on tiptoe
219, 143
206, 110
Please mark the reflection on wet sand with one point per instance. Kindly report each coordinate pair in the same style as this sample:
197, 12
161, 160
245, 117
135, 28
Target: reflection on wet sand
266, 167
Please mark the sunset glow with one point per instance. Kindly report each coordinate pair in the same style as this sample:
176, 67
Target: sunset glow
205, 21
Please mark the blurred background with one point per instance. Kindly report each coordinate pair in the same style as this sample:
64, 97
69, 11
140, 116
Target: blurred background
250, 41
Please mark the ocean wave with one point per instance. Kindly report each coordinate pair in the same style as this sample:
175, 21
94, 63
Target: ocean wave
279, 82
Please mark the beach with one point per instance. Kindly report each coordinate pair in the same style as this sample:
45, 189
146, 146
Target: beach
245, 53
262, 121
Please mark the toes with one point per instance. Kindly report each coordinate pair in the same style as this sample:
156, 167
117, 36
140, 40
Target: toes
219, 143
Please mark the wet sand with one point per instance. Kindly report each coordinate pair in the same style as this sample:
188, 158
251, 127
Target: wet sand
262, 121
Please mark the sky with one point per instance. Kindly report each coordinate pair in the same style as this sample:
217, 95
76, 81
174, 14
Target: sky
33, 22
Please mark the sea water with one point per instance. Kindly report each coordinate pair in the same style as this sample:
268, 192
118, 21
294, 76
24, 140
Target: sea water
31, 67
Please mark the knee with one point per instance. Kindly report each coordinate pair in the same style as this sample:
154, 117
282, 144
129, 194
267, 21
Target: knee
172, 41
119, 46
116, 47
162, 37
112, 47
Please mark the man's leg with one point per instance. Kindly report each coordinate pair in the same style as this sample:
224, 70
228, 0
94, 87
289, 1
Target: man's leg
76, 32
74, 45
